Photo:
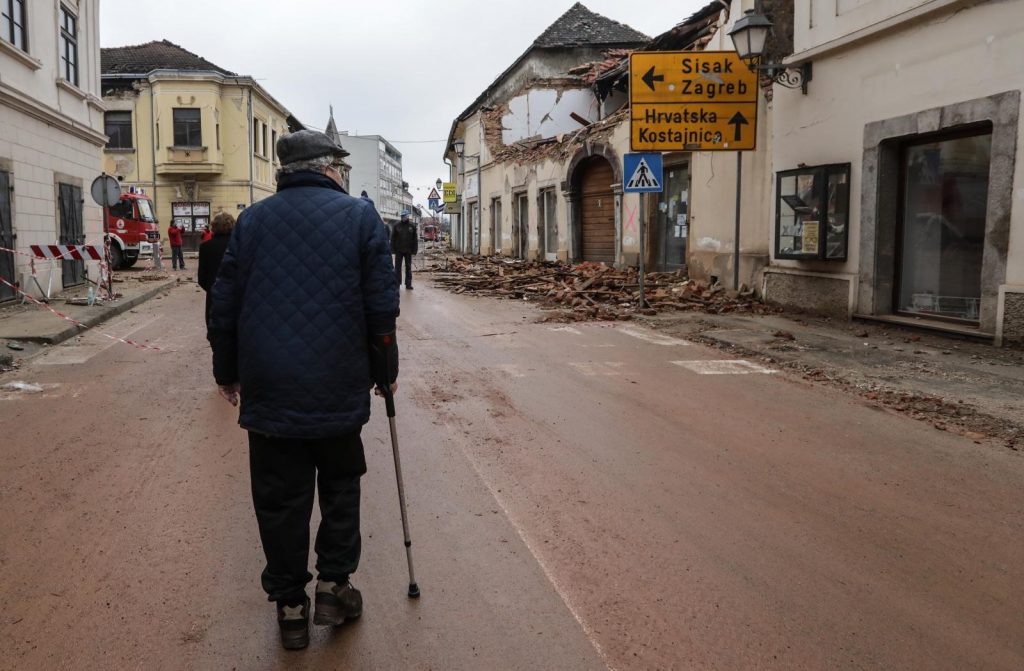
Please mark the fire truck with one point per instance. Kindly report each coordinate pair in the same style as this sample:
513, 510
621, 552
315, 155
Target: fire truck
131, 228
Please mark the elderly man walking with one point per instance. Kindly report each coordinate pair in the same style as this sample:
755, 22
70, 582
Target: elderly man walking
302, 326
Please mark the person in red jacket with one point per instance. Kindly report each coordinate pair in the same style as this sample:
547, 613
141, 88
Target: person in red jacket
177, 258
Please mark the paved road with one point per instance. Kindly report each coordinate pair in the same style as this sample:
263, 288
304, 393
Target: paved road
584, 496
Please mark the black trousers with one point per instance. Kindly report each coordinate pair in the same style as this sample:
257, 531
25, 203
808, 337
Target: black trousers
177, 258
408, 268
284, 474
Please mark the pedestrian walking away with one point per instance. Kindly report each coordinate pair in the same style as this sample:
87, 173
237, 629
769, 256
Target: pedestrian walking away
211, 253
404, 245
300, 352
175, 237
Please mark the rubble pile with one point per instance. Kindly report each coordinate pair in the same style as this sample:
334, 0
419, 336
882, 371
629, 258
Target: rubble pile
590, 291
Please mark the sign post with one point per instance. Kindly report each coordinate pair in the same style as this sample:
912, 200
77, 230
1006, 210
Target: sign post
106, 192
643, 174
694, 101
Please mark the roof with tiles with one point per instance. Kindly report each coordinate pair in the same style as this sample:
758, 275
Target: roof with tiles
162, 55
579, 26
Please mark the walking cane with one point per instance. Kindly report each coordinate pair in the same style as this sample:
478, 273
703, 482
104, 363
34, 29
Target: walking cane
389, 401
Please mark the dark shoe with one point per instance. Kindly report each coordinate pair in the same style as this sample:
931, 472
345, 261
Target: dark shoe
294, 624
409, 287
336, 602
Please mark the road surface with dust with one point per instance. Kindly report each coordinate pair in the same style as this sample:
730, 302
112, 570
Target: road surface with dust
582, 497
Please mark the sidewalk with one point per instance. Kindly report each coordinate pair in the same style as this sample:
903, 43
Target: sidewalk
965, 387
25, 329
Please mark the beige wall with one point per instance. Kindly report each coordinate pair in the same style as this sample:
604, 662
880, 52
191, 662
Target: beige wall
950, 56
222, 177
50, 129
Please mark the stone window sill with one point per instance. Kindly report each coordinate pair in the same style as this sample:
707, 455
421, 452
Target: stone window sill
119, 150
72, 89
16, 53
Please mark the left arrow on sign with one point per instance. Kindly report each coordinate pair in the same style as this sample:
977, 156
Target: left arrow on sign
738, 121
649, 78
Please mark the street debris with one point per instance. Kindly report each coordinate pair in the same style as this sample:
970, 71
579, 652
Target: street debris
16, 346
18, 385
591, 291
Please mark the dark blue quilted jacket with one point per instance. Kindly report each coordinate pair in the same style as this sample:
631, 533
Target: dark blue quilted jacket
306, 276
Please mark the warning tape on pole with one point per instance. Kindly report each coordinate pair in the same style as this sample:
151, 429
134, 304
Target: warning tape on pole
67, 252
77, 323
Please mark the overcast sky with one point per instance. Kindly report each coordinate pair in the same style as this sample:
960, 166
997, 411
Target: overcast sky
398, 68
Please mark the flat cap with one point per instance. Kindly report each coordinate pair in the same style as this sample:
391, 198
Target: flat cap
305, 145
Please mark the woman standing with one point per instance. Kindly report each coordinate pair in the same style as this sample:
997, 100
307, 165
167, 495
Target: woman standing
212, 251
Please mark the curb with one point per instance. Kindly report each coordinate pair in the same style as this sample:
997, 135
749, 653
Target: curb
114, 310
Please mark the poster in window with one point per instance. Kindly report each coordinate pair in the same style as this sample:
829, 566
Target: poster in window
201, 209
809, 241
181, 209
185, 222
201, 223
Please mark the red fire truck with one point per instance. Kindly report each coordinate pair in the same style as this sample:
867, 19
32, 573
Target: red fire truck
132, 228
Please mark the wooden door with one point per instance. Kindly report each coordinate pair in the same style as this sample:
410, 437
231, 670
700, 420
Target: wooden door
597, 211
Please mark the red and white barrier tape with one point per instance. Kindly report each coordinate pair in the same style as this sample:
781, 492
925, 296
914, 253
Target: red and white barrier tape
79, 324
68, 252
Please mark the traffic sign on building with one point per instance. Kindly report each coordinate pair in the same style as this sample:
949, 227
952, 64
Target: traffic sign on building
433, 195
692, 101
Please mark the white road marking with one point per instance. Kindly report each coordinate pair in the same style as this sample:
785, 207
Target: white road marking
91, 343
566, 329
653, 338
724, 367
592, 368
511, 369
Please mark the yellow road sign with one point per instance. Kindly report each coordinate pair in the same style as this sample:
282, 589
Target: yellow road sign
693, 127
692, 100
449, 192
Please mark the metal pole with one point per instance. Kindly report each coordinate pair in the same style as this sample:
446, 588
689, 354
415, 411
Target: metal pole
643, 226
736, 242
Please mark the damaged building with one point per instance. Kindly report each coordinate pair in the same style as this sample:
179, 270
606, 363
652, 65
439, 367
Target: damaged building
534, 154
885, 183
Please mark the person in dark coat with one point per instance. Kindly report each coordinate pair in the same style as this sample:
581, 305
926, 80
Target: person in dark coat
211, 252
302, 326
404, 244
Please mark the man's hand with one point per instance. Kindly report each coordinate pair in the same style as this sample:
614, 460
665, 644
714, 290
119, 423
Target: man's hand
229, 392
394, 388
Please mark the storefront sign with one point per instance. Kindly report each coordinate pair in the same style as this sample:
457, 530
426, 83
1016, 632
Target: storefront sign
450, 194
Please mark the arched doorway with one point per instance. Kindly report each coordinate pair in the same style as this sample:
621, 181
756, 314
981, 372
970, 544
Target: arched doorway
597, 209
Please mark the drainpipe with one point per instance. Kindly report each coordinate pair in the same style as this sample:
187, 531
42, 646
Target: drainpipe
152, 114
251, 150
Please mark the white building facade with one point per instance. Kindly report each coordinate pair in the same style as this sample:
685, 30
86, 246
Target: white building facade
376, 169
51, 135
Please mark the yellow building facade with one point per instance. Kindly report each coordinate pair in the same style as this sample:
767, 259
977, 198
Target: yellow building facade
198, 141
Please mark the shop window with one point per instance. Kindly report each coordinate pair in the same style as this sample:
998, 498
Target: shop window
118, 127
188, 129
812, 213
944, 206
12, 22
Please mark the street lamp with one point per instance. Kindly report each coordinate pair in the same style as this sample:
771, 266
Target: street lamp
750, 36
438, 183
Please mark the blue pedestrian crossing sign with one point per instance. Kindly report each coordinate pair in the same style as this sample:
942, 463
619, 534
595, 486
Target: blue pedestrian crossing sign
642, 173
